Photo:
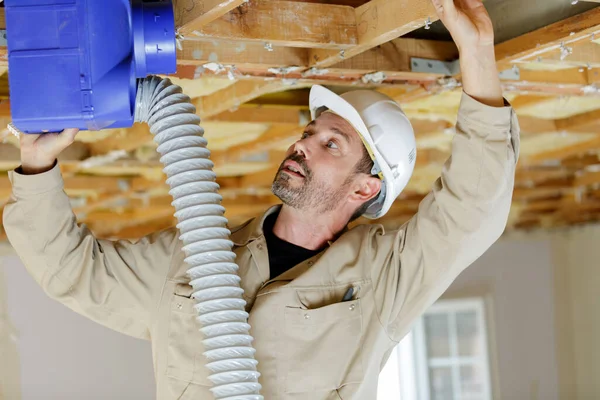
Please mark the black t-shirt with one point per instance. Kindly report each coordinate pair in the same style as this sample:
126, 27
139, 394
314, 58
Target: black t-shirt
283, 255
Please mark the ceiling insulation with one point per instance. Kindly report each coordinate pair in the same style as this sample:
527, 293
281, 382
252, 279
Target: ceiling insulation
250, 86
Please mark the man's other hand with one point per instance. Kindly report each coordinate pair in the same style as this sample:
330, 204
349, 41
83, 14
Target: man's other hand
467, 21
40, 151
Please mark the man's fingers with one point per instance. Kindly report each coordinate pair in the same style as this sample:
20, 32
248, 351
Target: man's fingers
472, 3
68, 135
27, 139
445, 8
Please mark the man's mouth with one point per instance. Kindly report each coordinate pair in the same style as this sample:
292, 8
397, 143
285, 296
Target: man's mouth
292, 168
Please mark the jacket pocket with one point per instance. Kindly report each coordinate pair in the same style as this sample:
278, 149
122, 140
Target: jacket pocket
322, 347
185, 359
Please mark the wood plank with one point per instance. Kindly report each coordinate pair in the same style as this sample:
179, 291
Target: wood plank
264, 114
245, 55
378, 22
541, 41
287, 23
562, 152
94, 184
581, 53
138, 231
396, 55
538, 193
246, 59
578, 121
536, 125
233, 97
574, 76
529, 177
123, 139
191, 15
265, 142
5, 108
587, 178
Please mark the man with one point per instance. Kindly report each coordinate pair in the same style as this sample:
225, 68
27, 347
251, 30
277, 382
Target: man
298, 262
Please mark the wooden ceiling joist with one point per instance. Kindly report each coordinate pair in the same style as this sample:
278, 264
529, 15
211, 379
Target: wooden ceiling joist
378, 22
191, 15
286, 23
535, 44
233, 96
241, 60
264, 114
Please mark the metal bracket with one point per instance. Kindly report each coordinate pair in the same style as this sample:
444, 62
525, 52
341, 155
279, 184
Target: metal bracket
451, 68
434, 66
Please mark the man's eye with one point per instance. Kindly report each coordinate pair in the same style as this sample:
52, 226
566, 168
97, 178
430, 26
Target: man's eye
304, 135
332, 145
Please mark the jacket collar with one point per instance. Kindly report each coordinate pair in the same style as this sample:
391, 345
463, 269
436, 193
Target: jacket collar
251, 229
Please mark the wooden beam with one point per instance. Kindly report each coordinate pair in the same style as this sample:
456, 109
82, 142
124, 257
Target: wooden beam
287, 23
537, 43
264, 114
5, 108
582, 53
233, 96
578, 121
140, 230
573, 76
396, 55
123, 139
587, 178
246, 60
529, 177
245, 56
562, 152
587, 122
520, 194
272, 137
378, 22
191, 15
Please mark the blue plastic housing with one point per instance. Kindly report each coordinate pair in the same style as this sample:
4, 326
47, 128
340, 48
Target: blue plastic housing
75, 63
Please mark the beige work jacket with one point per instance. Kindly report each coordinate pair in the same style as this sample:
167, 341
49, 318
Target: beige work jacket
309, 344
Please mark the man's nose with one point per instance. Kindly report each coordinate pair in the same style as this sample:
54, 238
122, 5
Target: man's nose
302, 148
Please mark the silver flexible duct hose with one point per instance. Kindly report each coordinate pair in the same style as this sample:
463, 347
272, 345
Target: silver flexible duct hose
212, 269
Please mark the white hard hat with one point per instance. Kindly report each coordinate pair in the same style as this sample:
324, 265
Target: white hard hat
384, 129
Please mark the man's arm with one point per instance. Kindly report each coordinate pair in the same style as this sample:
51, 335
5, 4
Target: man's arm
467, 209
115, 283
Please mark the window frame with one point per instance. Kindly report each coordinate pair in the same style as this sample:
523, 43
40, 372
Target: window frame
419, 349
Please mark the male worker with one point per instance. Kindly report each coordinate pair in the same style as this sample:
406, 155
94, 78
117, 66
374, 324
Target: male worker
297, 262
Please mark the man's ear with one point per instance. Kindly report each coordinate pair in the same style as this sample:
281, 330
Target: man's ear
367, 188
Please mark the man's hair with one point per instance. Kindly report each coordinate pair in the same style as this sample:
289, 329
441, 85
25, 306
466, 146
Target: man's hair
364, 166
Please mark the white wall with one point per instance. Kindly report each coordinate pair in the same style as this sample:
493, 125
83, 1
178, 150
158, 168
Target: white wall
577, 300
517, 275
66, 356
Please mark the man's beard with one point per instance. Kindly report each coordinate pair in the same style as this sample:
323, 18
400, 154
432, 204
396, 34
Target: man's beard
310, 194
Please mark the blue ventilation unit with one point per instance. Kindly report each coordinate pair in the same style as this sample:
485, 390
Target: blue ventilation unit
75, 63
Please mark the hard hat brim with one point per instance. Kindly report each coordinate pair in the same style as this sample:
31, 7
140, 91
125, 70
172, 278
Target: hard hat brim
321, 97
